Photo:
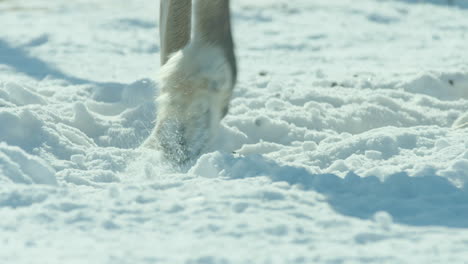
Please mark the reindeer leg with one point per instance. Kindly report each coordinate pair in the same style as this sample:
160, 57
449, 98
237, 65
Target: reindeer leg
197, 84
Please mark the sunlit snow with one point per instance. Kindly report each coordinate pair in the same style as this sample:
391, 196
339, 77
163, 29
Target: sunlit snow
346, 139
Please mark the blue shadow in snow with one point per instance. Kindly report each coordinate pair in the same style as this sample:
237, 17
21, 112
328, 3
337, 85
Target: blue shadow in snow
455, 3
19, 59
417, 201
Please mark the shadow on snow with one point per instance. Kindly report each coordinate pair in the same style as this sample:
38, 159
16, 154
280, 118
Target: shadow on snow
19, 59
455, 3
418, 201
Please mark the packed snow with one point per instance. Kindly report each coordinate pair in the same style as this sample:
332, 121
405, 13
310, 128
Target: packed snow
346, 139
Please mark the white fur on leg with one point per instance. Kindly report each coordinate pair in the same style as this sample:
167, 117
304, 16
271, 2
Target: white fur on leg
196, 87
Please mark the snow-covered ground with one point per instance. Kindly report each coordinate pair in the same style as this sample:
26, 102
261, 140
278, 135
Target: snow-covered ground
346, 140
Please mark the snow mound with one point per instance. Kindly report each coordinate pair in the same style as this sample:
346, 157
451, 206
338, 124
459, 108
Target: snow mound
18, 166
444, 86
19, 95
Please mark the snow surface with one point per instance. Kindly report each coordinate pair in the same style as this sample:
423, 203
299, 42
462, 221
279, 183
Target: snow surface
346, 140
